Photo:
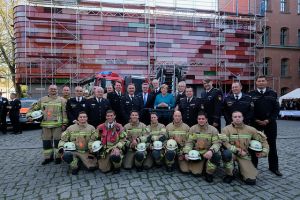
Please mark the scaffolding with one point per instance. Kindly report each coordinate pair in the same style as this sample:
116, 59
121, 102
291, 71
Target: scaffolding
221, 17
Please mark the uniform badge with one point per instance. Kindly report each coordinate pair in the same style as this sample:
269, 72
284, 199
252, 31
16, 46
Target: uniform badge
229, 103
83, 105
220, 97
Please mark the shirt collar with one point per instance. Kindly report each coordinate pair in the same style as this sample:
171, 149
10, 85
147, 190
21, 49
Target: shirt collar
239, 95
264, 90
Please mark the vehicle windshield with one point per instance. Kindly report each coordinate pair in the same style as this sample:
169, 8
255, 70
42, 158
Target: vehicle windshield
27, 104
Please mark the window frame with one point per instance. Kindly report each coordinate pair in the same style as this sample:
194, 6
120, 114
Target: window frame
284, 32
284, 67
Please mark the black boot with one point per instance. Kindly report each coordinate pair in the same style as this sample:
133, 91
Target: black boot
228, 179
75, 171
209, 178
249, 181
57, 161
47, 161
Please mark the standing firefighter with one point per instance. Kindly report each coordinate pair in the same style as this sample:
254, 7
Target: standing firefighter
76, 144
205, 140
177, 133
238, 140
112, 136
54, 121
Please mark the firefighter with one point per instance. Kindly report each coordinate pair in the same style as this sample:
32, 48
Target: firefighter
266, 109
97, 107
14, 113
177, 134
238, 101
238, 138
3, 113
53, 123
134, 130
130, 102
181, 94
189, 106
82, 135
115, 101
66, 92
204, 139
212, 98
157, 132
75, 105
112, 136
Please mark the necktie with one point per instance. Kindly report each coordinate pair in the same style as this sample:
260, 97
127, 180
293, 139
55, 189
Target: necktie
77, 99
189, 100
262, 92
130, 97
236, 97
145, 99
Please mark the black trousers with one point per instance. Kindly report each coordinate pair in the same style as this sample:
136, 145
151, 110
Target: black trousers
271, 132
15, 122
3, 125
211, 121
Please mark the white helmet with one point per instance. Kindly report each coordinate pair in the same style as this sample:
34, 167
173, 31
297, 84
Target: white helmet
69, 146
194, 155
172, 144
255, 145
141, 147
96, 146
36, 114
157, 145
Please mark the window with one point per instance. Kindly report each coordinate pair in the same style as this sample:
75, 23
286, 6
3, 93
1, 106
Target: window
268, 4
266, 38
283, 6
283, 36
284, 67
266, 66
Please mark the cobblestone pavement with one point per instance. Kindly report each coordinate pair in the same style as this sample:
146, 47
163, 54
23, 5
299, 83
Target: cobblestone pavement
23, 177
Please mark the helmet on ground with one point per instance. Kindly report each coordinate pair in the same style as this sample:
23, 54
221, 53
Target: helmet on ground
69, 146
194, 155
96, 146
255, 145
141, 147
36, 114
172, 144
157, 145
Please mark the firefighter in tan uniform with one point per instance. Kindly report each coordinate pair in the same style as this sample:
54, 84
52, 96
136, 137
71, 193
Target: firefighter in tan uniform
205, 140
112, 137
53, 123
177, 134
238, 141
157, 133
135, 131
83, 136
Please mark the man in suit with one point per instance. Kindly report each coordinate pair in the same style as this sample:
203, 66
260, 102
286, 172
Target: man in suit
97, 107
14, 113
156, 88
3, 113
181, 91
130, 102
148, 101
75, 105
115, 101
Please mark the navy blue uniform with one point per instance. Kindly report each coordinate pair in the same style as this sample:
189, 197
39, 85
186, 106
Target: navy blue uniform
74, 107
96, 111
3, 113
14, 115
128, 105
189, 110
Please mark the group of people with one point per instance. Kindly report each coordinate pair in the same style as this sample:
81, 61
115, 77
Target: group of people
125, 129
290, 104
12, 108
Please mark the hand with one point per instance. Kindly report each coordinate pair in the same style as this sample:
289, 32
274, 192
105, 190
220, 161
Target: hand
181, 157
133, 144
75, 122
259, 155
266, 121
115, 152
208, 155
261, 123
241, 152
63, 127
162, 105
215, 124
186, 157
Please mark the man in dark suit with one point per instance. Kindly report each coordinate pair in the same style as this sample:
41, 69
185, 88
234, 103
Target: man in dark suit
115, 101
75, 105
130, 102
148, 102
3, 113
156, 88
181, 92
97, 107
14, 113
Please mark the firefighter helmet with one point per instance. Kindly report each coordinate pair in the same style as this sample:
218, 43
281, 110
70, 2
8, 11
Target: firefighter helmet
36, 114
157, 145
172, 144
194, 155
255, 145
141, 147
96, 146
69, 146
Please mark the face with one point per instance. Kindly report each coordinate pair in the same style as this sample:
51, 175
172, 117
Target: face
66, 91
118, 86
177, 117
52, 90
189, 92
237, 118
236, 88
145, 88
110, 117
99, 93
261, 83
154, 118
78, 91
164, 90
12, 96
201, 120
82, 118
131, 89
109, 89
155, 84
207, 85
181, 87
134, 117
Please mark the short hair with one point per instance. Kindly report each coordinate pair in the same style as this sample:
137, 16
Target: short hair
110, 111
153, 113
118, 82
238, 83
236, 111
182, 83
207, 80
164, 86
189, 87
260, 76
130, 84
201, 113
135, 112
145, 83
100, 89
82, 112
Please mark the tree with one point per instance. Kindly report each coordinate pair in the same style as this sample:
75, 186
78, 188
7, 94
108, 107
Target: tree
7, 39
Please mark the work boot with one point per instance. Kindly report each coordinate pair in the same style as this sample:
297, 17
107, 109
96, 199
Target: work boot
228, 179
75, 171
57, 161
249, 181
139, 169
47, 161
209, 178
